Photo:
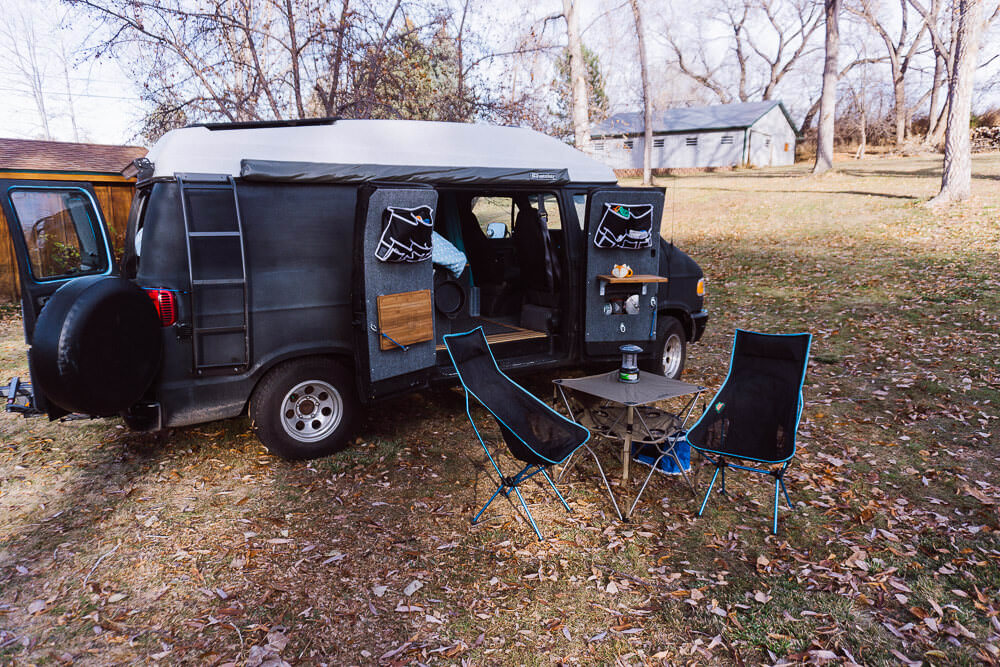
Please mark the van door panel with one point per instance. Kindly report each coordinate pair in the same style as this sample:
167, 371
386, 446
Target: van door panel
58, 234
393, 289
623, 227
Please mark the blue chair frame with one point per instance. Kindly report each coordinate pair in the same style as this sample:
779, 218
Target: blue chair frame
718, 458
511, 483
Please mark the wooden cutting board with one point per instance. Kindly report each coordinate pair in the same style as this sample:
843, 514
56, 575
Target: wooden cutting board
406, 317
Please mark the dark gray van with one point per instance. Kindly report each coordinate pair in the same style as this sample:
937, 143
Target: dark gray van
303, 270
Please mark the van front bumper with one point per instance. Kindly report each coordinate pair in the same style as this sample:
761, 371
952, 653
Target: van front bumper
699, 320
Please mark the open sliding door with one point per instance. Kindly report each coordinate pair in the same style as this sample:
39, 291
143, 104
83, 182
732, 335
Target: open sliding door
623, 229
393, 284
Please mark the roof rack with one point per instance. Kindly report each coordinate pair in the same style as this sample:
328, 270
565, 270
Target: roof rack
257, 124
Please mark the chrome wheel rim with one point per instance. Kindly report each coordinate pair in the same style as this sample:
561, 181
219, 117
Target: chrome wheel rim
311, 411
673, 355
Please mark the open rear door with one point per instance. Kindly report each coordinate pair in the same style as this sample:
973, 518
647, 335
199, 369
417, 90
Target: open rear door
58, 234
393, 289
623, 229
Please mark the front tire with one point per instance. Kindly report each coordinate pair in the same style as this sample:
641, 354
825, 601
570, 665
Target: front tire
671, 348
305, 408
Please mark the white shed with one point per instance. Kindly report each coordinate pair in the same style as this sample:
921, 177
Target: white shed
724, 135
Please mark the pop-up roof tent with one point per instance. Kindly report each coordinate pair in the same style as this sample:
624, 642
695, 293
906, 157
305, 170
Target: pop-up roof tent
355, 151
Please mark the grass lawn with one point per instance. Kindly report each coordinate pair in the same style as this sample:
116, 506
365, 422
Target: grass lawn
196, 546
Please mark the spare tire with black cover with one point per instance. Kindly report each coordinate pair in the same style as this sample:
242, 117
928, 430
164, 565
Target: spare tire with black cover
96, 346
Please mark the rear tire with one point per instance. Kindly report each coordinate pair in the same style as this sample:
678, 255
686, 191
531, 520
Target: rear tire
671, 348
305, 408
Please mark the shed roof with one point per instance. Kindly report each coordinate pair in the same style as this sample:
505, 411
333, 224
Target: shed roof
424, 145
691, 119
62, 156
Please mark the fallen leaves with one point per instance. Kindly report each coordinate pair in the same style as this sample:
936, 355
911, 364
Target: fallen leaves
892, 548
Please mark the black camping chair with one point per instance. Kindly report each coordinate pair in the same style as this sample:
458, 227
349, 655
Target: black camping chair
535, 434
755, 414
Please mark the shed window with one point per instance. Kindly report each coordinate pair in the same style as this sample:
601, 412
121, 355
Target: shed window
767, 142
629, 144
691, 141
727, 139
657, 143
598, 145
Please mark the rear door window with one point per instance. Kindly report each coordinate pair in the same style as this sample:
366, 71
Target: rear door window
61, 231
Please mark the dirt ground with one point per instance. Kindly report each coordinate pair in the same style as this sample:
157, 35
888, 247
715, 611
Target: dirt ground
196, 546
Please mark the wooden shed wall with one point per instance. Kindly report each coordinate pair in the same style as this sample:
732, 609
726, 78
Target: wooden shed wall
114, 196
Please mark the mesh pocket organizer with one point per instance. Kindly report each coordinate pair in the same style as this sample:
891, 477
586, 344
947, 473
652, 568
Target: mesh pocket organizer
406, 234
626, 226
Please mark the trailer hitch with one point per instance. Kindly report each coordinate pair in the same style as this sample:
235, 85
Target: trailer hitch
18, 397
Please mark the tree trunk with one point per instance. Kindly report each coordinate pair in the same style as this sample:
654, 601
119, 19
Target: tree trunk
956, 180
932, 116
71, 109
578, 75
899, 103
828, 100
939, 127
864, 134
647, 99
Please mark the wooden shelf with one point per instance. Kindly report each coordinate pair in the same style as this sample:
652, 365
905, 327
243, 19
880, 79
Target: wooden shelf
632, 280
641, 279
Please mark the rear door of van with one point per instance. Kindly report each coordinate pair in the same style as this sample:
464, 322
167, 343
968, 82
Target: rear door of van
58, 234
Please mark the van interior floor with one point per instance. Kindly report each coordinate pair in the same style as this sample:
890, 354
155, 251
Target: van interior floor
496, 331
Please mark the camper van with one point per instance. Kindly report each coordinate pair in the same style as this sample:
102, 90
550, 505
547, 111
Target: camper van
301, 271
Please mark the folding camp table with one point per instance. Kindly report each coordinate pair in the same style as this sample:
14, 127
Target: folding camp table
654, 428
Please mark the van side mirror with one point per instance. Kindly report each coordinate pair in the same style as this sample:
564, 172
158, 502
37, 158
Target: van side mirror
496, 230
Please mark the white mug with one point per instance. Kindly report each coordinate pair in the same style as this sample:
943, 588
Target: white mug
621, 271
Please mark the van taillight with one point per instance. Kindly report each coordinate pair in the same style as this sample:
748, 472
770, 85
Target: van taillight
166, 305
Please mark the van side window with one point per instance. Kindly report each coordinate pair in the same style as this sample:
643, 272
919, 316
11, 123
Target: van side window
580, 204
551, 206
61, 233
134, 233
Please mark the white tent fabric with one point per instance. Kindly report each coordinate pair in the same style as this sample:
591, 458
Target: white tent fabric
200, 150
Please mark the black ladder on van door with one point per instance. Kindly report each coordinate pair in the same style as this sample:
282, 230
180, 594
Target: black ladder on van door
220, 309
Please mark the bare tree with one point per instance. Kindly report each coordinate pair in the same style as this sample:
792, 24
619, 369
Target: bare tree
244, 60
763, 43
941, 20
21, 46
64, 60
647, 98
828, 99
578, 75
956, 179
901, 50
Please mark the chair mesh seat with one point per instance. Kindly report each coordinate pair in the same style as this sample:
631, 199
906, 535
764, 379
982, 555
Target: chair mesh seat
759, 403
533, 432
